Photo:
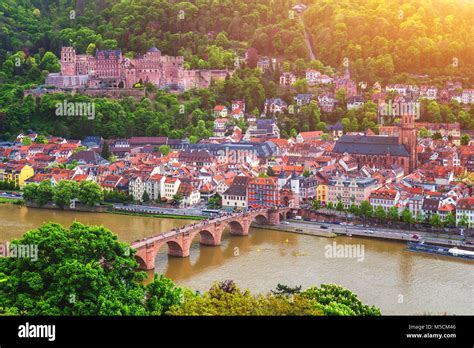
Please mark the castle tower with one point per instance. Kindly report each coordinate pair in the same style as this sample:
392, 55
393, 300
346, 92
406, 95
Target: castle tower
68, 61
407, 137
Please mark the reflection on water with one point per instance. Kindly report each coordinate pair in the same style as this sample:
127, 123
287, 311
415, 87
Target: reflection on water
396, 280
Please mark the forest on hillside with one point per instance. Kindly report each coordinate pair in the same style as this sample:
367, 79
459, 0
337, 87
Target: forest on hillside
388, 41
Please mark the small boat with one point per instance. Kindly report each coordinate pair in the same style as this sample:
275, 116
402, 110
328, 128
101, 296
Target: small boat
439, 250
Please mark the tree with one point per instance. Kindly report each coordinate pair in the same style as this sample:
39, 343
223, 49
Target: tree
407, 217
393, 214
41, 139
465, 139
330, 205
145, 197
215, 202
90, 193
225, 298
339, 206
354, 210
449, 220
44, 193
380, 213
463, 222
165, 150
335, 300
424, 133
26, 141
64, 191
366, 210
83, 270
177, 198
30, 192
270, 171
105, 153
316, 204
306, 173
435, 220
161, 295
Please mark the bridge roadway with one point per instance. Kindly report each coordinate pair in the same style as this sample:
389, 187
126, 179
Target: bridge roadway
210, 231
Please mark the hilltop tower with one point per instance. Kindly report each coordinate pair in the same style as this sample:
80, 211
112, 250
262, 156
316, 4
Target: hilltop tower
407, 137
68, 61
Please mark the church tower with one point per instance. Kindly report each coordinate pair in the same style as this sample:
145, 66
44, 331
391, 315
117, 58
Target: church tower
68, 61
407, 137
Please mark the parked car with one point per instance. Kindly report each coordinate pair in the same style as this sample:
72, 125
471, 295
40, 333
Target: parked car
298, 217
323, 227
285, 222
415, 236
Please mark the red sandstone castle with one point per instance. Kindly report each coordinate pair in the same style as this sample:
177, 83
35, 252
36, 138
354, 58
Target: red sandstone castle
110, 69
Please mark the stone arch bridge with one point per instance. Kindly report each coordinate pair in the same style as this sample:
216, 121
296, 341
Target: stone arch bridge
210, 232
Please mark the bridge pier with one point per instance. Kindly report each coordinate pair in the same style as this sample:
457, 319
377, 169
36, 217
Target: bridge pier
273, 217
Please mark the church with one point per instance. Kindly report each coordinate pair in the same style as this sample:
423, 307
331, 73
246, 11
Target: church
382, 151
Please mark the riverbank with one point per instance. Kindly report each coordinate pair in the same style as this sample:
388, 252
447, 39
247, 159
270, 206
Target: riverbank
381, 233
164, 216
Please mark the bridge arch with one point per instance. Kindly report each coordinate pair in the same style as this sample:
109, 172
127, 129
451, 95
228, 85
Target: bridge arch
174, 249
236, 228
261, 219
141, 262
207, 237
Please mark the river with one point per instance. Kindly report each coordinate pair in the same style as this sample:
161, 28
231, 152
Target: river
387, 276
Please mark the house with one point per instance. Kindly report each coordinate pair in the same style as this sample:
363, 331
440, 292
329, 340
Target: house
308, 136
385, 198
429, 92
350, 191
17, 173
312, 76
465, 211
220, 126
355, 102
236, 195
327, 102
265, 127
169, 187
263, 192
190, 195
92, 141
137, 186
263, 63
467, 96
87, 157
397, 88
303, 99
237, 114
238, 104
275, 105
335, 130
430, 206
220, 111
287, 79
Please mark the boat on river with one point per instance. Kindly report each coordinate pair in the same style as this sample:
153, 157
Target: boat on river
440, 250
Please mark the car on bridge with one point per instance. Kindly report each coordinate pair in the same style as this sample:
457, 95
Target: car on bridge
369, 231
